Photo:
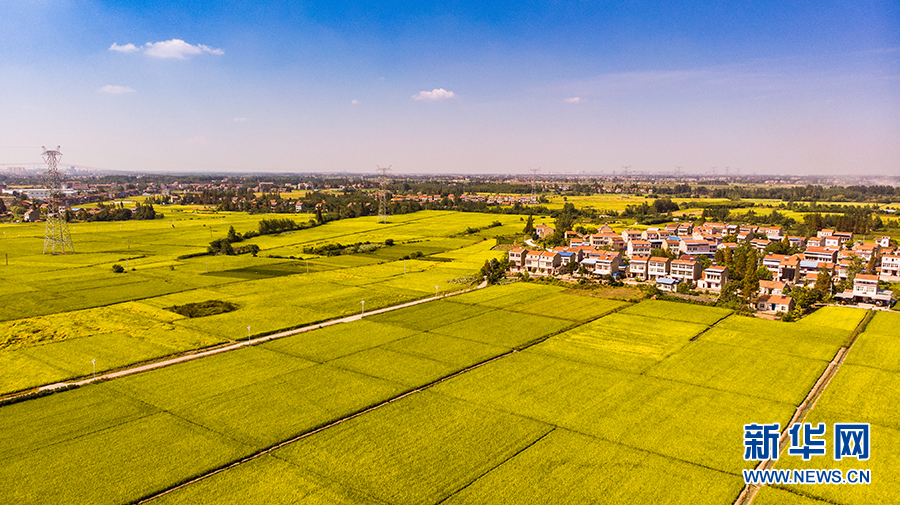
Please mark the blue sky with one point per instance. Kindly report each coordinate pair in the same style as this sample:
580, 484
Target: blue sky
478, 87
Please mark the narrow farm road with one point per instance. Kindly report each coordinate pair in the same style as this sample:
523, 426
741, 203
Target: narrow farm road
238, 345
750, 490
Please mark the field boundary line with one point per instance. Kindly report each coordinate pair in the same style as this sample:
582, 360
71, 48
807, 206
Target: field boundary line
697, 336
384, 403
750, 490
336, 422
49, 388
498, 465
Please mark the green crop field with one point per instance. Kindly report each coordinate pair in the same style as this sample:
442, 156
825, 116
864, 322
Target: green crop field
619, 407
573, 307
569, 467
58, 313
678, 311
811, 341
622, 342
742, 370
879, 345
885, 474
521, 392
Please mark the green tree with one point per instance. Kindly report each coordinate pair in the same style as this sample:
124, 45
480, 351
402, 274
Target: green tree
750, 285
763, 273
529, 225
823, 282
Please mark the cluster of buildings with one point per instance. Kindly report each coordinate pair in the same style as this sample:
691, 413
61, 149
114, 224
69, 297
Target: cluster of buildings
629, 255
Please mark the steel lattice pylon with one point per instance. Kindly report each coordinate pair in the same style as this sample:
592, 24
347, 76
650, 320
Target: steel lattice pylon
382, 199
56, 231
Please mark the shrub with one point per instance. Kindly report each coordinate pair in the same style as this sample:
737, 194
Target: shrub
119, 269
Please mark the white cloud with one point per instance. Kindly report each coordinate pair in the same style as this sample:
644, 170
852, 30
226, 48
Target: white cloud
240, 120
177, 48
574, 99
116, 90
435, 94
127, 48
354, 101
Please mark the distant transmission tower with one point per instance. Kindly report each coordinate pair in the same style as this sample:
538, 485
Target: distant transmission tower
382, 199
625, 169
56, 232
534, 172
679, 173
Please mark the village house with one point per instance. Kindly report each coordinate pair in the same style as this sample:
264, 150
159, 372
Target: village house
516, 258
713, 279
667, 284
629, 235
694, 247
543, 231
658, 267
788, 269
865, 290
773, 288
532, 261
639, 248
890, 267
685, 269
549, 262
775, 303
637, 267
820, 254
606, 262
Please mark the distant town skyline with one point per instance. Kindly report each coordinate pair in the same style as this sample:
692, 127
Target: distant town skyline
455, 87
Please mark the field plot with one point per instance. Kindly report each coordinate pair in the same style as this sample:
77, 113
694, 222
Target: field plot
430, 315
117, 465
567, 467
753, 372
420, 449
676, 311
203, 379
508, 295
573, 307
267, 412
685, 422
335, 341
866, 394
402, 368
621, 342
266, 481
885, 473
879, 345
842, 318
809, 341
503, 328
446, 349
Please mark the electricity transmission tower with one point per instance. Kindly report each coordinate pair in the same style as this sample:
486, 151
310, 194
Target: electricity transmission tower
534, 172
679, 173
625, 169
382, 198
56, 231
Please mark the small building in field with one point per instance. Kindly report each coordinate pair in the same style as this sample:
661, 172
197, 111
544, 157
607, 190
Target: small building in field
775, 303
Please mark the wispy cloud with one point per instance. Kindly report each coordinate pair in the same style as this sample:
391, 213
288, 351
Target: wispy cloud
177, 48
113, 89
434, 95
574, 99
240, 120
127, 48
174, 48
354, 101
195, 141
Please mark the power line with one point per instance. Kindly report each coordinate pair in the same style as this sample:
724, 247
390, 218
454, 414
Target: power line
382, 199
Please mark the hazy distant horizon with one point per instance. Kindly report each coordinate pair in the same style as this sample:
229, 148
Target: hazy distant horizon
453, 88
